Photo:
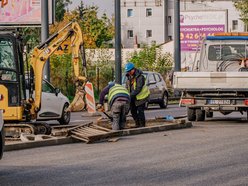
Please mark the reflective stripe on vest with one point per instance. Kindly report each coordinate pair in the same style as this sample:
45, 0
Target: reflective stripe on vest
144, 93
116, 89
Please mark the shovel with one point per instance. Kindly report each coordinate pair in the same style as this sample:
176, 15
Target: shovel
109, 117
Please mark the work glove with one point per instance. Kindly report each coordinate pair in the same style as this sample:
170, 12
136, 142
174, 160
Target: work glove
100, 108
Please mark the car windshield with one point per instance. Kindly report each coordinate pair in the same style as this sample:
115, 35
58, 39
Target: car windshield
229, 52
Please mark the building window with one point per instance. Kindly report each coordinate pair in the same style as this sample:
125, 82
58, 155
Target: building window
169, 19
149, 33
158, 3
170, 38
129, 12
235, 24
130, 33
148, 12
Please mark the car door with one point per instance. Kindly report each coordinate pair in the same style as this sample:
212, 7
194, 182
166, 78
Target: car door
51, 103
151, 82
160, 86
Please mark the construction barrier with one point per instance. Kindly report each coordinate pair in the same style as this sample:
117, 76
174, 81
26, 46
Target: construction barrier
90, 98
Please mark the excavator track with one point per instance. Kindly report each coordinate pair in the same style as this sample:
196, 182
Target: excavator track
13, 131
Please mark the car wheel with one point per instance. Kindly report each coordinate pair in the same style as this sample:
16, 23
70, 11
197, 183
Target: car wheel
191, 114
200, 115
209, 114
164, 102
66, 116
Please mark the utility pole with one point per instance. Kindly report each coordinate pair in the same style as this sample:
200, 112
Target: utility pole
45, 34
177, 46
166, 21
117, 41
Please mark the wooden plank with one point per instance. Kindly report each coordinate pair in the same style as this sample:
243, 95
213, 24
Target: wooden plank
80, 134
102, 128
79, 138
95, 131
83, 125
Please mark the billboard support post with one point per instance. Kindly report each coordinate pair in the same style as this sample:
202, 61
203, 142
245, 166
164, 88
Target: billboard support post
117, 41
177, 46
45, 34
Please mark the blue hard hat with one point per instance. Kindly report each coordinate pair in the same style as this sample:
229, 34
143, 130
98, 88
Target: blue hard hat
129, 66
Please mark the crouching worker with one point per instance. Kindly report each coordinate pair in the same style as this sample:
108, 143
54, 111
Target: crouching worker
118, 101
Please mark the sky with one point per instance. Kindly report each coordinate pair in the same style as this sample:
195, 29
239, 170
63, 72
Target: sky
105, 6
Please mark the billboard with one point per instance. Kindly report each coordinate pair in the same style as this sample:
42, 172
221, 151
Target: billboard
195, 25
23, 12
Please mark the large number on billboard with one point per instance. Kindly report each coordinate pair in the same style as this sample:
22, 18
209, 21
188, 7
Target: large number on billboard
195, 25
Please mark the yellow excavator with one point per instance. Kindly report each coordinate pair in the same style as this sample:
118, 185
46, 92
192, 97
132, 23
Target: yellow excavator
20, 110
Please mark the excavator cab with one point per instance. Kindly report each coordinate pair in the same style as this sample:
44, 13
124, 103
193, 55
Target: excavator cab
12, 82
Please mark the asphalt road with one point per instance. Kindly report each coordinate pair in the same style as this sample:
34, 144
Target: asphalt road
209, 153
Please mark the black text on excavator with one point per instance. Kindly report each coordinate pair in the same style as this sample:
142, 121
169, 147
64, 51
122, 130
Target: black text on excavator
20, 110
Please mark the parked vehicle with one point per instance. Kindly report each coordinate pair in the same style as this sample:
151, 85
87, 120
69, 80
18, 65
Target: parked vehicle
217, 84
53, 104
2, 141
157, 86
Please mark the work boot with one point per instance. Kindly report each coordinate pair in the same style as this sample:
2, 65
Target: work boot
137, 123
142, 123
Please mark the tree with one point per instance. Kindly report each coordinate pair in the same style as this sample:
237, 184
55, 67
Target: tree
97, 32
242, 7
60, 9
151, 58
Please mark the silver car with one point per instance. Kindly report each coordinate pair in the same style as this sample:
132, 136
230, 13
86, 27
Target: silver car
53, 105
157, 86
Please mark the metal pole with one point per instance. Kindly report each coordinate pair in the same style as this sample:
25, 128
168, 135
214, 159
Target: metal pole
45, 34
98, 79
177, 47
166, 21
117, 41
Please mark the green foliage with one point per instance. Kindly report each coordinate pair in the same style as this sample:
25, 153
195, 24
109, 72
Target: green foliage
151, 58
97, 31
61, 73
242, 7
60, 9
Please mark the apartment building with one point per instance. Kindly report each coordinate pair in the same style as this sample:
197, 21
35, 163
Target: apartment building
152, 21
147, 21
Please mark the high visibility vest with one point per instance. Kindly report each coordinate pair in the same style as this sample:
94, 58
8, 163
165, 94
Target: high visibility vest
144, 93
116, 90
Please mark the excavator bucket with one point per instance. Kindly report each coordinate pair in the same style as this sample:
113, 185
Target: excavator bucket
78, 103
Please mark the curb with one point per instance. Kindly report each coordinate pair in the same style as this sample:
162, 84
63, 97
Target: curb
41, 143
67, 140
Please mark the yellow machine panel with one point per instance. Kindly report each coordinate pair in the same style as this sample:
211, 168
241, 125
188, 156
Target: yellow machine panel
9, 113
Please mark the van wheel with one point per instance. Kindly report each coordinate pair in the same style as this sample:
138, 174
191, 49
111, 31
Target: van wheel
191, 114
200, 115
65, 117
164, 102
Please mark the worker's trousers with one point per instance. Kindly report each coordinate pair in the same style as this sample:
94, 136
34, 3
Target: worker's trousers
119, 110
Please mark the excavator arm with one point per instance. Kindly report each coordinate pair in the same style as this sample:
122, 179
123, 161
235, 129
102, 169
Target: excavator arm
42, 52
